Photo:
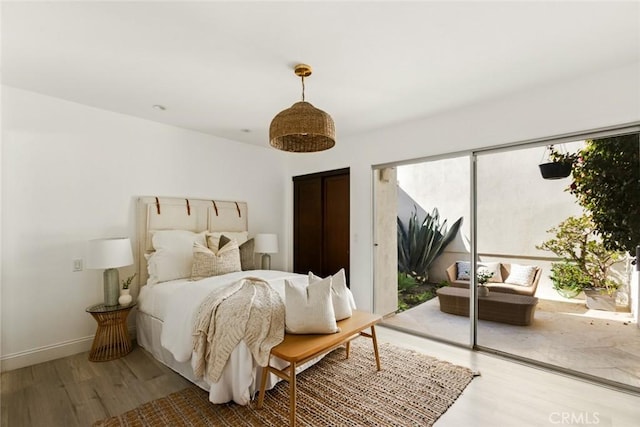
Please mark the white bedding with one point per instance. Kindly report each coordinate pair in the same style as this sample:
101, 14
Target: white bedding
171, 306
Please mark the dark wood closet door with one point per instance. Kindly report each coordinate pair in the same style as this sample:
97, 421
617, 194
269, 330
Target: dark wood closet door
307, 225
321, 223
336, 224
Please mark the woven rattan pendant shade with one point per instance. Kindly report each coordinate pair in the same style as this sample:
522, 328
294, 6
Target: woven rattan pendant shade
302, 128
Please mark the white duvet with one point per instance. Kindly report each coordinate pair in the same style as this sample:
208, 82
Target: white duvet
175, 303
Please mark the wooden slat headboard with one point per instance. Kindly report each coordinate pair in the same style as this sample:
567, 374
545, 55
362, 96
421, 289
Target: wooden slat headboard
173, 213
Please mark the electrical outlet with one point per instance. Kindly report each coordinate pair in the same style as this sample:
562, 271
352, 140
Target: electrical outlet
77, 265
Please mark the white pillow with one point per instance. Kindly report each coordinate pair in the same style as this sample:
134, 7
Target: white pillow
521, 275
463, 269
341, 296
213, 238
341, 277
173, 256
491, 267
207, 262
308, 309
151, 269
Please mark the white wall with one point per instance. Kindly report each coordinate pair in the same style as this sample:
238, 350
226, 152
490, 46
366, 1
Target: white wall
603, 99
71, 173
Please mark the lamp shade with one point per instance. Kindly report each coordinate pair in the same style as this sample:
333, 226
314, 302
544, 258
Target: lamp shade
109, 253
302, 129
266, 243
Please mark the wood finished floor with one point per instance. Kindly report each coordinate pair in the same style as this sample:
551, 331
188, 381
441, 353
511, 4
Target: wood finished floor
75, 392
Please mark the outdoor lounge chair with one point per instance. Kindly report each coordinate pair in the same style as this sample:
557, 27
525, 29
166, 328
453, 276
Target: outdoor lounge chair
509, 288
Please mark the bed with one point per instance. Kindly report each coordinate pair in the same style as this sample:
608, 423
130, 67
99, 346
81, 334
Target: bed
167, 301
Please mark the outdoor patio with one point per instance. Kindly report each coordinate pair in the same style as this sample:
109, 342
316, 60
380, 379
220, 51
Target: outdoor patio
565, 334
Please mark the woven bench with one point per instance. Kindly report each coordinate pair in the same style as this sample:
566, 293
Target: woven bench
298, 349
497, 306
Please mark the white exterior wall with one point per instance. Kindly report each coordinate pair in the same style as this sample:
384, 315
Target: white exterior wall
515, 205
71, 173
443, 184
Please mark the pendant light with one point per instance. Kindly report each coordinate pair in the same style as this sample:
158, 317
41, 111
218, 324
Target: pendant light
302, 128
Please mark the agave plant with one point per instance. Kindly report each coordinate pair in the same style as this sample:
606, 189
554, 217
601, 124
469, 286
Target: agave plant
421, 242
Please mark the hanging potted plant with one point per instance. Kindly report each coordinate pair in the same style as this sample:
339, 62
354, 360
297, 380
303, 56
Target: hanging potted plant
555, 165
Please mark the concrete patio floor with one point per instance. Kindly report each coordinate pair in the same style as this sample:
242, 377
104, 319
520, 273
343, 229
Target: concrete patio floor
565, 334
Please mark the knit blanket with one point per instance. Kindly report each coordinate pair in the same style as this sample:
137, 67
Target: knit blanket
250, 310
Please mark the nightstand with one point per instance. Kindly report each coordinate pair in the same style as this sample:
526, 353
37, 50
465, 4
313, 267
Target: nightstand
112, 337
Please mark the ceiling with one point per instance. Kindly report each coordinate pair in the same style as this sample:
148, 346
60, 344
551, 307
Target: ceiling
226, 68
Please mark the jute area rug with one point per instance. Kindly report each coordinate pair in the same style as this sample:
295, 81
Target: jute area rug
411, 390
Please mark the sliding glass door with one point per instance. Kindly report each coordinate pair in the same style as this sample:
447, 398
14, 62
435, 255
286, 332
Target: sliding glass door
541, 266
431, 218
558, 294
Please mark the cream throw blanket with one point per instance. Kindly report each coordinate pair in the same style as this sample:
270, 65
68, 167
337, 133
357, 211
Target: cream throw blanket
250, 310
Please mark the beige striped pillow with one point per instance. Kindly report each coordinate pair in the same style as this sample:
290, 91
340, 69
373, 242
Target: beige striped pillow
247, 255
207, 263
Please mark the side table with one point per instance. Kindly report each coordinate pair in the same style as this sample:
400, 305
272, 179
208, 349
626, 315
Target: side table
112, 337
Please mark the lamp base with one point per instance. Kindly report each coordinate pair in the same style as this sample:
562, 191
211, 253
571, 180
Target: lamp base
111, 286
266, 262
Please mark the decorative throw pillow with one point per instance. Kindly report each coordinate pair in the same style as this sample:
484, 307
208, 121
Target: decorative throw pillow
247, 253
341, 296
342, 276
308, 309
213, 238
173, 256
491, 267
223, 241
463, 269
207, 263
522, 275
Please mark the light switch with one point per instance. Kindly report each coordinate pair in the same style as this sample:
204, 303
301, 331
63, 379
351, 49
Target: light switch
77, 265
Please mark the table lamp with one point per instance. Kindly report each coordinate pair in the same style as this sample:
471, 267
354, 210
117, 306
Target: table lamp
266, 244
110, 254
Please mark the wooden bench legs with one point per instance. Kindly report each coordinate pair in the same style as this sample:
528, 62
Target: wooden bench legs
289, 373
291, 378
292, 394
375, 344
373, 337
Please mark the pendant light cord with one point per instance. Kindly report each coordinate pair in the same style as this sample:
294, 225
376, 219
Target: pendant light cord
302, 77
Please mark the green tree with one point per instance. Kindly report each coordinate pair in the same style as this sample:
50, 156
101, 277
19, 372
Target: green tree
577, 243
606, 182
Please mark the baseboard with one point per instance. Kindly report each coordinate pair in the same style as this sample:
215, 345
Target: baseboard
34, 356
